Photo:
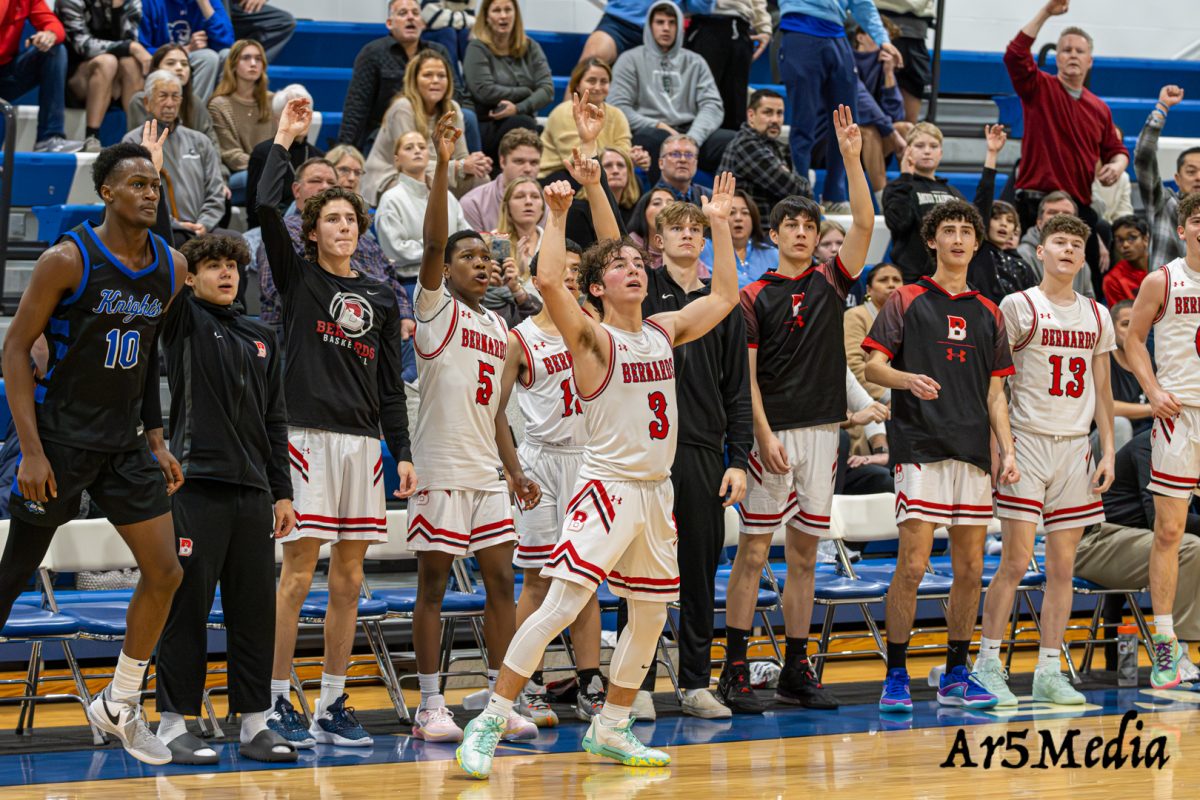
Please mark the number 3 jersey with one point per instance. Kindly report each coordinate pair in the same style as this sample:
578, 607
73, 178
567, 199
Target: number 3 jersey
1054, 391
460, 358
101, 341
548, 400
631, 418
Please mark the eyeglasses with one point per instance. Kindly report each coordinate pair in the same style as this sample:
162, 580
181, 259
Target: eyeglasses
680, 155
348, 172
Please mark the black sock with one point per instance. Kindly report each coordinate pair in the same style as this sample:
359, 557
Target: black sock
735, 649
796, 651
585, 678
956, 653
93, 132
537, 678
897, 655
26, 547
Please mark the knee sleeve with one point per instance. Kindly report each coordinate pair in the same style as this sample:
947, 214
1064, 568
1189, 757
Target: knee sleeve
638, 643
562, 605
23, 553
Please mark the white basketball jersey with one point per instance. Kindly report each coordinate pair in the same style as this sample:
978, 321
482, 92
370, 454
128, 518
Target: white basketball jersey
1177, 334
631, 419
1053, 391
460, 358
549, 401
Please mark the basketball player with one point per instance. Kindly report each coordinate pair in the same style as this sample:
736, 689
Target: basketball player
798, 394
343, 383
1169, 301
619, 524
1060, 343
98, 296
943, 350
463, 450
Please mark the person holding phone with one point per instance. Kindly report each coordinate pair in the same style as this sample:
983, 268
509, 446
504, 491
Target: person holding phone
507, 295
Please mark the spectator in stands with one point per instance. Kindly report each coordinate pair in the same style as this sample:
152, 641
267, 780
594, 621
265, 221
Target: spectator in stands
193, 113
350, 165
830, 237
754, 252
42, 64
882, 281
641, 223
914, 18
507, 295
621, 27
1132, 414
908, 198
401, 214
241, 111
1056, 202
665, 91
191, 170
268, 25
107, 61
816, 63
506, 73
520, 156
730, 40
301, 151
427, 96
590, 80
677, 157
1067, 128
520, 212
1161, 201
880, 105
997, 269
758, 159
621, 179
1131, 239
1115, 200
200, 26
449, 23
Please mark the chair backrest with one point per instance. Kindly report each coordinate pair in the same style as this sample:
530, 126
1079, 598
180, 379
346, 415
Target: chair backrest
89, 545
732, 527
396, 546
864, 517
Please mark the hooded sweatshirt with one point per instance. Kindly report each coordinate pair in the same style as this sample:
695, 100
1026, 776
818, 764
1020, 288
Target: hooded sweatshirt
675, 87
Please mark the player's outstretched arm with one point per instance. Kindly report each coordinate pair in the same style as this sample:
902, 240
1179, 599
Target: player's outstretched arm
1007, 474
437, 213
858, 239
1146, 307
586, 172
1102, 478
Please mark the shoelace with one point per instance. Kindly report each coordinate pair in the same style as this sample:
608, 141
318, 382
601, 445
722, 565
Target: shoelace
896, 683
439, 714
1162, 656
345, 717
489, 737
290, 716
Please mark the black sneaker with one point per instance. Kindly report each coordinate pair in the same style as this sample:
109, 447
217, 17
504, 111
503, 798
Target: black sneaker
735, 690
798, 686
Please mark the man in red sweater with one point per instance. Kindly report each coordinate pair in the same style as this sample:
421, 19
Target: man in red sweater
42, 63
1068, 130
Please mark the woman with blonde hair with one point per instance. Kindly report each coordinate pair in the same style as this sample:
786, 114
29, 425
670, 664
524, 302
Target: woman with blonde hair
427, 96
520, 212
241, 111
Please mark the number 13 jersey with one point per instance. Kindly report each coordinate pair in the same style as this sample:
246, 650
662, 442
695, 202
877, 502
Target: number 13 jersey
549, 401
631, 419
460, 358
1054, 389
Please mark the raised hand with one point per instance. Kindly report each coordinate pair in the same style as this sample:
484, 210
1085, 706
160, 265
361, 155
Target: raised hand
996, 137
585, 171
296, 117
559, 196
1058, 7
153, 141
848, 136
717, 207
445, 136
589, 119
1170, 95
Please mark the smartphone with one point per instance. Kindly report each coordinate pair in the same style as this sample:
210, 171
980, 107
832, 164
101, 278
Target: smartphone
501, 249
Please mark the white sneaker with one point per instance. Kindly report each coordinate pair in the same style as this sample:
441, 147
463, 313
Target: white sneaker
705, 705
1188, 672
643, 707
127, 722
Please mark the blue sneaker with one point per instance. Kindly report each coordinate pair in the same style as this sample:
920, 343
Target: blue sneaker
896, 697
285, 720
961, 688
339, 726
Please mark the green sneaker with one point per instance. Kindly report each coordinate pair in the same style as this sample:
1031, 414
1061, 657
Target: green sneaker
480, 738
992, 676
1164, 674
619, 744
1051, 686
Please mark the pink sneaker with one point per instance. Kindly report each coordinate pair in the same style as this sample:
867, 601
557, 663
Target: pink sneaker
519, 728
436, 724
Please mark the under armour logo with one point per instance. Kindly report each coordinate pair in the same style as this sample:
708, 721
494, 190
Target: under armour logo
616, 500
539, 345
622, 348
951, 353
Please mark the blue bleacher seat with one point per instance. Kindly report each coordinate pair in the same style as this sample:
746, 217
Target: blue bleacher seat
26, 622
53, 221
930, 584
104, 620
316, 606
79, 597
42, 179
404, 601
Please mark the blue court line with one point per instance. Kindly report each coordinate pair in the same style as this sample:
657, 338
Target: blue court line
114, 764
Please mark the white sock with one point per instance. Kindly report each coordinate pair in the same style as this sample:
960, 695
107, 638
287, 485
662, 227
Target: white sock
429, 687
1048, 659
1164, 624
988, 648
499, 706
253, 724
493, 674
332, 687
613, 715
693, 692
170, 726
280, 689
126, 684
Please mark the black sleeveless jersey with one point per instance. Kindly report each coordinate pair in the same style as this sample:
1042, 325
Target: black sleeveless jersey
100, 339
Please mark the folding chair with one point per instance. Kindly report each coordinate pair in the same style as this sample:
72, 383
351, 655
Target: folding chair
1085, 588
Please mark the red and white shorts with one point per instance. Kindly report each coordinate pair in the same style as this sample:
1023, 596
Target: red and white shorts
622, 531
1175, 454
801, 498
949, 492
1056, 483
337, 483
460, 521
555, 470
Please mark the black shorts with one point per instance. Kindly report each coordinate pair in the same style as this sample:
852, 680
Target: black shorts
915, 75
625, 34
128, 487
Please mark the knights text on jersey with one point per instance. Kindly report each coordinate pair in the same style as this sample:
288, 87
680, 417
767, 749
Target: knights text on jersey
1053, 390
795, 326
1177, 334
548, 400
632, 419
960, 342
460, 358
100, 339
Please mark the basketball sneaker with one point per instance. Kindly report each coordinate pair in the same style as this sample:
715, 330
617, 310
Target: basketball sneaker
992, 676
798, 686
705, 705
1051, 686
619, 743
532, 704
519, 728
435, 723
961, 688
589, 700
285, 720
339, 726
896, 696
1164, 673
479, 742
736, 690
127, 721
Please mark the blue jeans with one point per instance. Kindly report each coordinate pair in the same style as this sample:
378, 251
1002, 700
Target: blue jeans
237, 188
819, 75
471, 124
48, 72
